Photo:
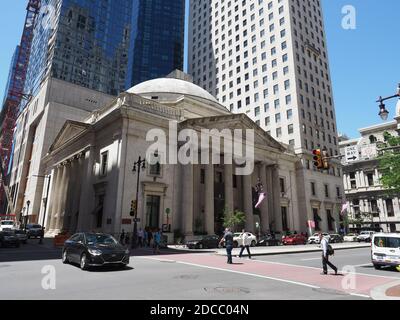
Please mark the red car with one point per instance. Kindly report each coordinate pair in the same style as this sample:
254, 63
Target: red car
294, 239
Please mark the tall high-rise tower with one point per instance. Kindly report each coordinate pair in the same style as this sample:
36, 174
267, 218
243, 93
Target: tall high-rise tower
268, 59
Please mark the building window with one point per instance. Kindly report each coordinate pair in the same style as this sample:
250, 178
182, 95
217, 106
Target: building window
330, 219
202, 176
282, 185
313, 189
353, 182
104, 164
370, 177
327, 191
389, 207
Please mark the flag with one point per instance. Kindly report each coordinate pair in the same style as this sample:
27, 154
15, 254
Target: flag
345, 207
261, 198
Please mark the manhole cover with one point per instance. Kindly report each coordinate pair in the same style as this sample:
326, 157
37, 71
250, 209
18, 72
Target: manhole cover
187, 277
228, 290
330, 291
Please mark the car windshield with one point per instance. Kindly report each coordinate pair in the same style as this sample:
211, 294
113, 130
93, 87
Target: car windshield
7, 223
387, 242
100, 239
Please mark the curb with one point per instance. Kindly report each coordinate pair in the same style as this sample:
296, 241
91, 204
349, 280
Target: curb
379, 293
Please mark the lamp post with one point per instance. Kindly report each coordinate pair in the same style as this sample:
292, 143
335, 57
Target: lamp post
383, 113
137, 168
28, 203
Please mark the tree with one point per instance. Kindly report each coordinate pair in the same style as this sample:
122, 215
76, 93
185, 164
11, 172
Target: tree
389, 164
234, 219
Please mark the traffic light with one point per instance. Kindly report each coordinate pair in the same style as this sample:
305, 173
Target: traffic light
133, 208
325, 159
318, 163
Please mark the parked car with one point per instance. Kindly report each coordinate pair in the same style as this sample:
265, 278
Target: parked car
8, 238
385, 250
22, 236
294, 239
34, 230
268, 240
365, 236
335, 238
94, 250
203, 242
7, 225
237, 240
351, 237
315, 238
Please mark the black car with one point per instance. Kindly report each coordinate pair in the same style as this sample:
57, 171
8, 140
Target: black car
22, 236
335, 238
94, 250
268, 241
203, 242
9, 239
34, 231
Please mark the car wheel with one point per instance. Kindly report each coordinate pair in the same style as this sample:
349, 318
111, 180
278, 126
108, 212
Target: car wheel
83, 263
253, 243
65, 257
377, 267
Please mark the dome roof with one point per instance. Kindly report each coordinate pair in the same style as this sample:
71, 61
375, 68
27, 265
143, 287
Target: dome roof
171, 86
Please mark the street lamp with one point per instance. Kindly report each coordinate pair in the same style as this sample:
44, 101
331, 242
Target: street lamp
383, 113
137, 167
28, 203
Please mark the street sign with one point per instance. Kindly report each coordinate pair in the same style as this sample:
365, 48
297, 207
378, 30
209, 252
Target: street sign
136, 220
352, 153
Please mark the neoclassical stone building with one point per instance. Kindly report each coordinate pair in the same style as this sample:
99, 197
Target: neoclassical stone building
92, 184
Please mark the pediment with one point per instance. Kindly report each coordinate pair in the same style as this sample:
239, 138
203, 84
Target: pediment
69, 131
232, 122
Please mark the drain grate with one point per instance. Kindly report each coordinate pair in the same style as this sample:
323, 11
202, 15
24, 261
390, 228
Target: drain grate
228, 290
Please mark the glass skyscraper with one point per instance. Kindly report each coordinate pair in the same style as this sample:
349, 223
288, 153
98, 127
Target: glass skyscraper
84, 42
157, 40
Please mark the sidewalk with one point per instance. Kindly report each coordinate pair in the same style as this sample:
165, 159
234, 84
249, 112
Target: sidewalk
390, 291
264, 251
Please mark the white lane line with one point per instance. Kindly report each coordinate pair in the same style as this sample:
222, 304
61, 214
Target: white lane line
311, 259
360, 295
243, 273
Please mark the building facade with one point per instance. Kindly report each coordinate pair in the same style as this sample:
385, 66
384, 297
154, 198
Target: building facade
92, 184
370, 205
157, 45
268, 59
37, 126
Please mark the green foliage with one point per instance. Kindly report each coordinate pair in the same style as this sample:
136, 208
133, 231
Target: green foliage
234, 220
389, 165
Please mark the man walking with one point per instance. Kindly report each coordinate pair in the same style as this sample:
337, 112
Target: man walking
325, 255
157, 242
245, 243
140, 237
228, 237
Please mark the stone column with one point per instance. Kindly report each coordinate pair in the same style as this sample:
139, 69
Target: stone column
63, 192
52, 201
187, 206
209, 199
76, 193
264, 206
276, 197
228, 178
57, 199
248, 203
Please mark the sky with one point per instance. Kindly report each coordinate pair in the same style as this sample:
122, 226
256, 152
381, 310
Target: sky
364, 61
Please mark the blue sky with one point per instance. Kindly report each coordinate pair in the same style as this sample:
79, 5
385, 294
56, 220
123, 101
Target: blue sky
364, 62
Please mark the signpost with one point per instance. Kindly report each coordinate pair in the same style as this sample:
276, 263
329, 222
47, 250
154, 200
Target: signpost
352, 153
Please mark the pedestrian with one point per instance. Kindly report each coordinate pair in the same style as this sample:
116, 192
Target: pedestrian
326, 252
149, 237
140, 237
228, 238
245, 243
126, 239
157, 242
122, 237
145, 237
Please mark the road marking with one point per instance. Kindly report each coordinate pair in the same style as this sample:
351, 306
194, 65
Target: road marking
360, 295
311, 259
241, 272
362, 265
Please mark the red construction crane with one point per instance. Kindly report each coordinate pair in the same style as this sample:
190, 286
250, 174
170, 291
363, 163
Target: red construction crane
10, 111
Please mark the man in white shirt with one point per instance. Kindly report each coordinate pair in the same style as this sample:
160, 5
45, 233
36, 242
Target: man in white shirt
325, 255
245, 243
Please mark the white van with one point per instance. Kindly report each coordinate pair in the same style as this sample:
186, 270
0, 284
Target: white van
385, 250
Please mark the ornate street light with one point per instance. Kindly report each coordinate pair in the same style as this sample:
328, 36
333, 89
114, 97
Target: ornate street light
383, 112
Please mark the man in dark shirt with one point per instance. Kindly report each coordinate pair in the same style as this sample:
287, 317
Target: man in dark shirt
228, 237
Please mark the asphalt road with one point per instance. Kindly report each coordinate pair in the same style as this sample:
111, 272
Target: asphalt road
27, 273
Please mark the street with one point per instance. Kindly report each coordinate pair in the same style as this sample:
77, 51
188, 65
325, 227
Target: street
188, 276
